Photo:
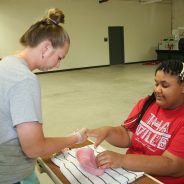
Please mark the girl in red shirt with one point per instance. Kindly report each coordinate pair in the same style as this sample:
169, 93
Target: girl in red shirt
153, 131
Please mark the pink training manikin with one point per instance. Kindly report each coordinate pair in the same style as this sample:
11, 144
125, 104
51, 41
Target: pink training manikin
87, 161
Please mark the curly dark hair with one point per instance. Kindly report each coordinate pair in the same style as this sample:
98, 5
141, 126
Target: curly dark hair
172, 67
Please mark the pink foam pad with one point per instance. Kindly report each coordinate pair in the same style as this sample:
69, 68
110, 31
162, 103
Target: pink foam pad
87, 161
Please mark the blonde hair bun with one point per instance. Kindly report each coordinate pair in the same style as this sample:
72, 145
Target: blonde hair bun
56, 15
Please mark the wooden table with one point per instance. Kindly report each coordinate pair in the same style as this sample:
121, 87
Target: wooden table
46, 165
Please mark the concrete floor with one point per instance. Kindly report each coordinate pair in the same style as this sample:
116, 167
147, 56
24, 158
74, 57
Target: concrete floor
91, 98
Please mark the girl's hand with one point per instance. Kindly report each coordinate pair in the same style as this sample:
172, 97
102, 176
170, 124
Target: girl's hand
99, 133
109, 159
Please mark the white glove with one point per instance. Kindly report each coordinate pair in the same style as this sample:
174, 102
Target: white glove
81, 135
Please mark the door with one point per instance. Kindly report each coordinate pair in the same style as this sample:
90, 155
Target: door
116, 44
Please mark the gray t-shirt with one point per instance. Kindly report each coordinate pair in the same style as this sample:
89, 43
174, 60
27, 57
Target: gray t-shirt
20, 102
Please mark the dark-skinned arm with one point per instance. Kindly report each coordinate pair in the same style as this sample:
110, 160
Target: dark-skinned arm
117, 136
164, 165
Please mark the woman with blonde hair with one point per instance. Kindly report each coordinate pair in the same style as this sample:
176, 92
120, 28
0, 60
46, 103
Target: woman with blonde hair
22, 139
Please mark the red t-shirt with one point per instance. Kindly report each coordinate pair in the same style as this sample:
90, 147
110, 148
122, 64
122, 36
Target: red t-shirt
159, 130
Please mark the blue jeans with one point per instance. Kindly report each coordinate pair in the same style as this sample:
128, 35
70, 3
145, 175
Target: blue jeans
30, 180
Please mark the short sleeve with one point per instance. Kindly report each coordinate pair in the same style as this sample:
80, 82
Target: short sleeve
25, 102
130, 121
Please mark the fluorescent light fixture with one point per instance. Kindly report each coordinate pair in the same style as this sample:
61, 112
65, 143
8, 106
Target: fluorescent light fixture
149, 1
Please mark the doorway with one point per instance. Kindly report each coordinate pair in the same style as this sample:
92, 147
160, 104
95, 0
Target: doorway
116, 44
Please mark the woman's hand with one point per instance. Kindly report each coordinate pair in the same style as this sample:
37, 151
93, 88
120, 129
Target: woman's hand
109, 159
81, 135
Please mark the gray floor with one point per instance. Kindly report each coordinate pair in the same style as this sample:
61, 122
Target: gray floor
92, 97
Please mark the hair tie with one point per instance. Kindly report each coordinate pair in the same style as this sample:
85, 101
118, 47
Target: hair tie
182, 72
53, 21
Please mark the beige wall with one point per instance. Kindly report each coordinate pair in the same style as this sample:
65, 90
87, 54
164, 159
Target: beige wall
178, 14
87, 23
